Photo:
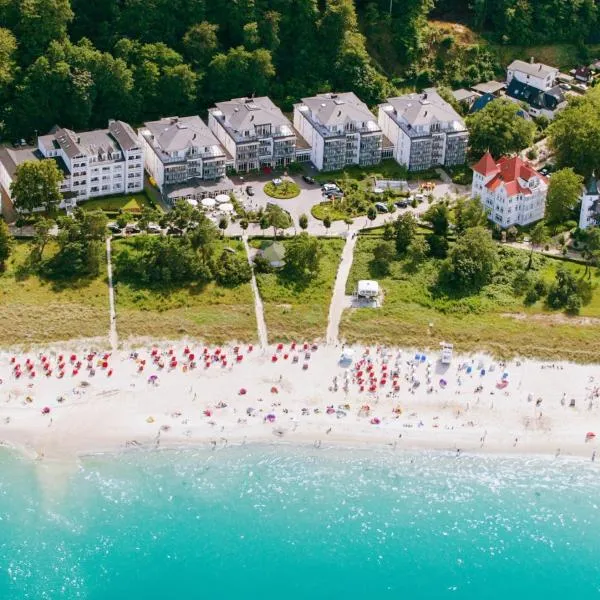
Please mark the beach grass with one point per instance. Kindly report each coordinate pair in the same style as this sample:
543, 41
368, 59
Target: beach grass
209, 312
36, 311
296, 311
415, 315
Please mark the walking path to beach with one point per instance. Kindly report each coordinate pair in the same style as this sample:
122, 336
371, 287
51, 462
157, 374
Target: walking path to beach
258, 305
336, 308
113, 336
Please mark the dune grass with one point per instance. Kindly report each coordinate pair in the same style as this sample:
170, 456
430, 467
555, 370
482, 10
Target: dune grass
211, 312
35, 310
296, 311
494, 320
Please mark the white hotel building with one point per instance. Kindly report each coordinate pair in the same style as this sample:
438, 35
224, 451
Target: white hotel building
511, 191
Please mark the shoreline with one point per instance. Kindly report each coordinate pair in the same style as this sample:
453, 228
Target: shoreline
413, 405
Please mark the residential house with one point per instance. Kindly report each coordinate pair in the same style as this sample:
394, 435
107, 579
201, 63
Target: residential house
539, 102
511, 191
466, 97
10, 159
490, 87
95, 163
537, 75
254, 132
340, 130
425, 130
184, 158
590, 204
536, 85
582, 74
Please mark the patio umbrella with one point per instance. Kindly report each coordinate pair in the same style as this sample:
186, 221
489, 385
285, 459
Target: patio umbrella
222, 198
208, 202
228, 207
192, 202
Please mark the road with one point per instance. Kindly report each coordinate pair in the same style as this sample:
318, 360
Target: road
261, 325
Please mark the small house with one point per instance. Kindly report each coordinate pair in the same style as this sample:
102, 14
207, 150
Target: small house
274, 253
466, 97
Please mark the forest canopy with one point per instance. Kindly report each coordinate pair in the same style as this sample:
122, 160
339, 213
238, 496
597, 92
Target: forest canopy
80, 62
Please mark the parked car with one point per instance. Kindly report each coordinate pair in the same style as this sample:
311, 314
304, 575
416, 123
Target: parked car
249, 190
153, 228
330, 187
308, 179
419, 197
132, 229
381, 207
174, 231
335, 194
114, 228
402, 204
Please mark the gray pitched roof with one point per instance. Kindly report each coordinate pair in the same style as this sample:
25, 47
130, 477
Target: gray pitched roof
12, 158
534, 69
178, 133
336, 109
67, 140
462, 94
423, 109
124, 134
242, 114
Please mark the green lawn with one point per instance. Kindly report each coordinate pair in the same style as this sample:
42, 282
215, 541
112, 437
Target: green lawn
494, 320
37, 311
211, 312
294, 312
132, 203
284, 191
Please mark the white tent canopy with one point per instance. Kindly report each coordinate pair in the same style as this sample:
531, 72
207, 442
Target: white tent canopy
222, 198
227, 207
208, 202
367, 288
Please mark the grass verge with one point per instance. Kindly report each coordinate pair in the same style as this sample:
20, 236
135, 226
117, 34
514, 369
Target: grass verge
299, 312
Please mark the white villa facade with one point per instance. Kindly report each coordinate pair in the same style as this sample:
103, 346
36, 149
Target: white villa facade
180, 149
590, 204
340, 130
95, 163
254, 132
511, 191
424, 130
537, 75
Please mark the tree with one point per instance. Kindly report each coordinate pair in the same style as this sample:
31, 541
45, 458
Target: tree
468, 212
200, 42
327, 223
406, 227
591, 252
371, 213
537, 237
264, 222
499, 129
278, 218
383, 256
244, 224
148, 216
303, 222
36, 185
303, 256
566, 292
348, 221
472, 260
8, 48
418, 250
223, 225
6, 245
123, 219
42, 229
574, 135
438, 216
232, 269
564, 191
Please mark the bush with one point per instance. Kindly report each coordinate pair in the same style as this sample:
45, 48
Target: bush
284, 191
262, 265
232, 269
438, 246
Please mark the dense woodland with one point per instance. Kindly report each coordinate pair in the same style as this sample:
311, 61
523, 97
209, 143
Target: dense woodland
80, 62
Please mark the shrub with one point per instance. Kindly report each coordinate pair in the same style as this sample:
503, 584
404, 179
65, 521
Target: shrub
232, 269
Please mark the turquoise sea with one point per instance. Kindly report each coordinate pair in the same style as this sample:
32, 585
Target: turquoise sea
280, 522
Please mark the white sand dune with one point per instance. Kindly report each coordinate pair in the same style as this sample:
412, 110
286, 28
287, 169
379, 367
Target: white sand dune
102, 413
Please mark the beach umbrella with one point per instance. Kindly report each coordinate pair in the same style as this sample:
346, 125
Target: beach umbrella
226, 208
192, 202
222, 199
270, 418
208, 202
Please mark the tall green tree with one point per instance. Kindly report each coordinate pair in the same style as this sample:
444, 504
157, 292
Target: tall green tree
564, 192
471, 261
499, 129
468, 212
537, 237
6, 245
36, 184
201, 43
438, 216
303, 256
405, 228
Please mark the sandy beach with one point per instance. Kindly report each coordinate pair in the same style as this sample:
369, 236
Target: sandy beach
176, 395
